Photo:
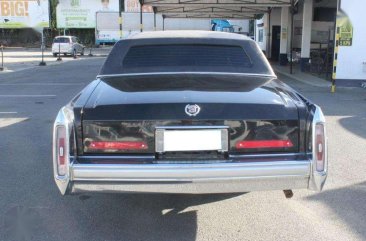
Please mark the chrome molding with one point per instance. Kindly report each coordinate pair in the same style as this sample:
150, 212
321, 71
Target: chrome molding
118, 157
185, 73
234, 185
232, 156
191, 172
317, 179
193, 178
190, 127
268, 155
64, 118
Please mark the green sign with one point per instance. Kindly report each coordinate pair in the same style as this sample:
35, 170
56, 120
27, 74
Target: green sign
81, 13
345, 30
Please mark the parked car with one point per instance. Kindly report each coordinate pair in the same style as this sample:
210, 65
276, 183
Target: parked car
67, 45
188, 112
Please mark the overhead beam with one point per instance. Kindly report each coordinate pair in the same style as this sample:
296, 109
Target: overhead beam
222, 13
152, 3
211, 8
209, 16
248, 3
214, 13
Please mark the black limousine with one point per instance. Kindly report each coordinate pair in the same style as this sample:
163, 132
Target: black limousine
188, 112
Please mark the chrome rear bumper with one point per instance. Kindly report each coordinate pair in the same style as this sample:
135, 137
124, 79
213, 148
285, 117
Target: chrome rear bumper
189, 178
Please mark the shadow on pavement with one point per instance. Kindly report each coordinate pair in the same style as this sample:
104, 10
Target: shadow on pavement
110, 217
147, 217
348, 203
354, 125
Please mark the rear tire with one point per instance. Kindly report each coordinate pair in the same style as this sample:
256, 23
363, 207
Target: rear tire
82, 52
55, 55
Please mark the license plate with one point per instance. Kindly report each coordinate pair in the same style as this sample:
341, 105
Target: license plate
191, 140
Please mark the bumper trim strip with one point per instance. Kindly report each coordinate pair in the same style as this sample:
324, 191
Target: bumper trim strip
190, 178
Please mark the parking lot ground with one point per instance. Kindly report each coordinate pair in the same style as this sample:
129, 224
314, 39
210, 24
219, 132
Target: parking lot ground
31, 207
16, 59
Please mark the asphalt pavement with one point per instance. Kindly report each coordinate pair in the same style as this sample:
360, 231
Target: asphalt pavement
15, 59
31, 207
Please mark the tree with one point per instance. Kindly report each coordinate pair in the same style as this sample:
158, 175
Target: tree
53, 21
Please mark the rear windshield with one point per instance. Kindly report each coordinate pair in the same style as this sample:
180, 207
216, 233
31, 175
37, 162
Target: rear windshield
61, 40
186, 55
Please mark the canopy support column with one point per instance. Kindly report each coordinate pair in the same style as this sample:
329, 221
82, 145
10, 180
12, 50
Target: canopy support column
154, 9
291, 30
163, 22
284, 35
141, 24
120, 10
306, 33
269, 39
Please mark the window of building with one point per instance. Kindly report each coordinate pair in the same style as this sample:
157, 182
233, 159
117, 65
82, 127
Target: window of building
260, 35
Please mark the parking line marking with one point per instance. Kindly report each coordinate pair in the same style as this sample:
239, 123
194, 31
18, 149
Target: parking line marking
9, 112
16, 96
4, 122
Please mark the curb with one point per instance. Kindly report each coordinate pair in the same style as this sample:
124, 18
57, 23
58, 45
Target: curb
49, 63
294, 77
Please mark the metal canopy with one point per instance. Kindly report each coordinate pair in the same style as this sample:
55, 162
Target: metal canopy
208, 15
224, 9
210, 11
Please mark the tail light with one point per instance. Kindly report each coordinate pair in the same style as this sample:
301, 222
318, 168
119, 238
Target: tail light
61, 150
319, 148
319, 151
263, 144
117, 145
63, 138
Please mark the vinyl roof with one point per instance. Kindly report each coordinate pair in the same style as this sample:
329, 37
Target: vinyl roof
222, 9
186, 51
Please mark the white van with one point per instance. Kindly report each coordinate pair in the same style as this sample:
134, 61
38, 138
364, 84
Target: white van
67, 45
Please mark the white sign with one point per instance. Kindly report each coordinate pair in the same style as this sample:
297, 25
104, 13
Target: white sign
24, 14
108, 28
81, 13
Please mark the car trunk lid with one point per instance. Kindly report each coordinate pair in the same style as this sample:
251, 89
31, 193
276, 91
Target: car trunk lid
123, 116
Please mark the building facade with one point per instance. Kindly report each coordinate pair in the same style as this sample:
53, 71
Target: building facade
325, 37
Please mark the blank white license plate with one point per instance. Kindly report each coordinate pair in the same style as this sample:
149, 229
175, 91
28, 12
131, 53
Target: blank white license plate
191, 140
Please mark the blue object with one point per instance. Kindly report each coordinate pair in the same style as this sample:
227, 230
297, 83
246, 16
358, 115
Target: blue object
221, 25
